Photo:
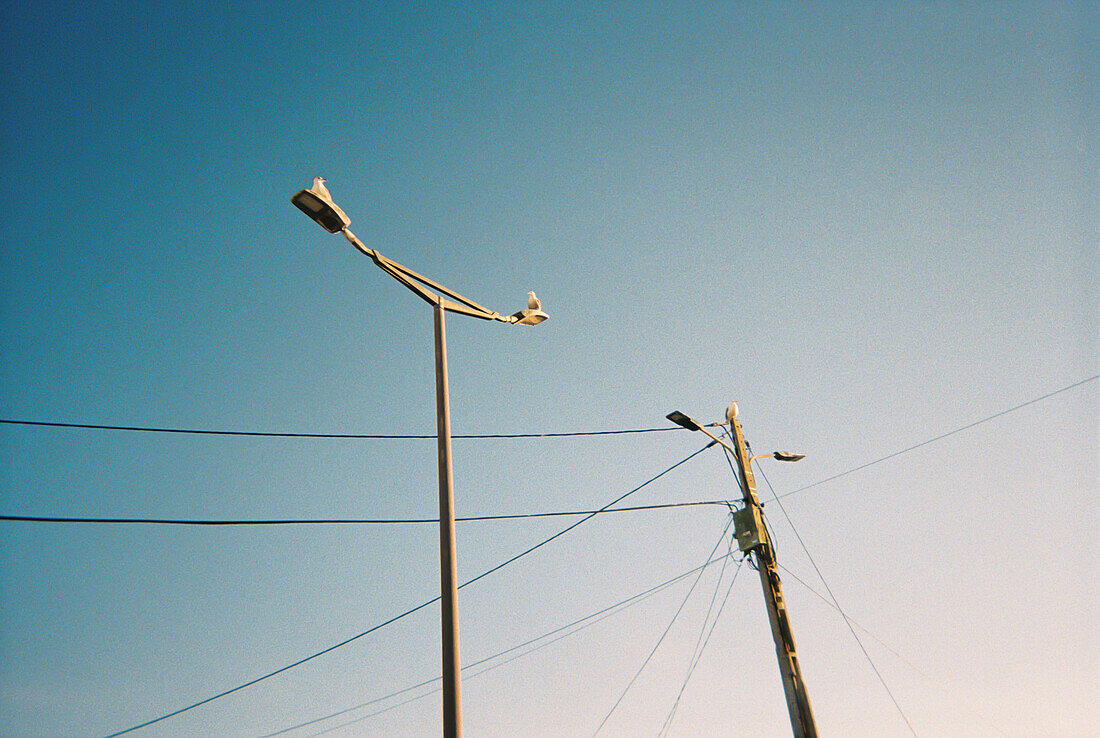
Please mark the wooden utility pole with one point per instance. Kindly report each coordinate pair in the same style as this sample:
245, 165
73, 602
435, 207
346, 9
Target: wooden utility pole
752, 538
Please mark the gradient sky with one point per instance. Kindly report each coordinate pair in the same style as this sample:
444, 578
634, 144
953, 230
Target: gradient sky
870, 224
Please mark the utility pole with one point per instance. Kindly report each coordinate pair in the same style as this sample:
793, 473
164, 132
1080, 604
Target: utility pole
752, 538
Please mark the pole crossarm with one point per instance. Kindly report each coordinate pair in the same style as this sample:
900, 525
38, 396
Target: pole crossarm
419, 284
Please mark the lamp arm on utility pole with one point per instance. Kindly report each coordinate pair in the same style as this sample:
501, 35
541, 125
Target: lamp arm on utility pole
719, 441
389, 267
454, 307
473, 308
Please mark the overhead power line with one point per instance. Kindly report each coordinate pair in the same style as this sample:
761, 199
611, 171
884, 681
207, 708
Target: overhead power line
412, 610
721, 537
697, 652
935, 681
941, 436
360, 436
410, 437
532, 645
836, 604
378, 521
348, 521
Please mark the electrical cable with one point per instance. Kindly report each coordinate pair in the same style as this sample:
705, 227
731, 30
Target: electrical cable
540, 435
940, 437
587, 517
740, 485
357, 436
347, 521
729, 460
771, 533
561, 632
844, 615
729, 521
414, 609
667, 725
699, 638
937, 682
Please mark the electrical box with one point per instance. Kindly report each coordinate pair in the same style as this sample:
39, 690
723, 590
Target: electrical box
747, 527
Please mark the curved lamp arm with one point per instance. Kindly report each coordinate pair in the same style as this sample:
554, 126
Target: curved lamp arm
317, 203
419, 284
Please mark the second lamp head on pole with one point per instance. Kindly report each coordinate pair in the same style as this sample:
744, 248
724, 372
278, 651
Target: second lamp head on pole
532, 314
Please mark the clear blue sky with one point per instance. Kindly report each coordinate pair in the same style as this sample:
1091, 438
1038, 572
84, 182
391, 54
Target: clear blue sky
870, 224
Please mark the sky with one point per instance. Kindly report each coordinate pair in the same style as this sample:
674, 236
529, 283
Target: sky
869, 224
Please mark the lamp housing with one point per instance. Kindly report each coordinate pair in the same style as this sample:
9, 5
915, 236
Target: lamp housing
322, 211
683, 421
527, 316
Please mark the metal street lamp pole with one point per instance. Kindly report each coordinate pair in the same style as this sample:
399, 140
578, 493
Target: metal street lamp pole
448, 562
318, 205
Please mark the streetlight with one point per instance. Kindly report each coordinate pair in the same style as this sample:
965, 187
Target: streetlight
317, 203
780, 456
684, 421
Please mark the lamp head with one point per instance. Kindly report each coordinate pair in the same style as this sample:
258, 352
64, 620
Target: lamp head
323, 211
532, 314
787, 456
527, 316
683, 421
